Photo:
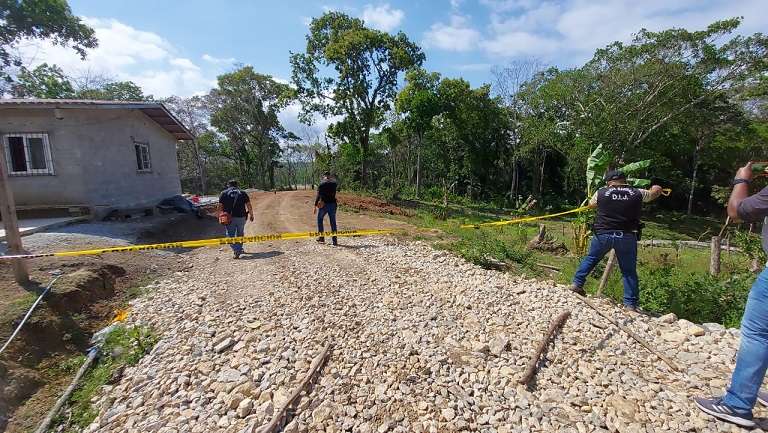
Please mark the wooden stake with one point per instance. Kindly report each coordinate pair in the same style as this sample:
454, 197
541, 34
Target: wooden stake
8, 214
556, 324
277, 420
714, 256
607, 272
630, 333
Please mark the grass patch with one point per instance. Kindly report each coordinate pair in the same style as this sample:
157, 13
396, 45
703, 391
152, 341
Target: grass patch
124, 346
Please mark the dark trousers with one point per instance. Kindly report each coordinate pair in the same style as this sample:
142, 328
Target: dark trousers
625, 245
330, 210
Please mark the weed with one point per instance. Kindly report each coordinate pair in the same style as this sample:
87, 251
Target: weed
125, 345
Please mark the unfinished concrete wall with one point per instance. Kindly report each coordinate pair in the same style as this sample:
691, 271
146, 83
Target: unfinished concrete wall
94, 159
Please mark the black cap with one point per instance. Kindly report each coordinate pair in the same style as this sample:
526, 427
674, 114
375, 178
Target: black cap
614, 175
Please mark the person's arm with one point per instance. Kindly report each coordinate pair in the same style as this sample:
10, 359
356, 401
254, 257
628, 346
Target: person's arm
652, 194
220, 207
742, 206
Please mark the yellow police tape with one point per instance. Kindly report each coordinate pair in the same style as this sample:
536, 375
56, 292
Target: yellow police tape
523, 220
204, 243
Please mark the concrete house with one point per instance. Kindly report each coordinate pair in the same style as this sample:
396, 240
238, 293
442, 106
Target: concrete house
103, 155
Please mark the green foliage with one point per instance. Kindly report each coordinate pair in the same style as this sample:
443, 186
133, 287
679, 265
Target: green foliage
694, 296
124, 346
487, 250
750, 244
45, 81
351, 70
40, 19
244, 109
115, 91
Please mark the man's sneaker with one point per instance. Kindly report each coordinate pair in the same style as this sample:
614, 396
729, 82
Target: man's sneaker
578, 290
321, 240
718, 409
762, 397
237, 255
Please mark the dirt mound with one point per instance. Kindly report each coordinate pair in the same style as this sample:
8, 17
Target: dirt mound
372, 204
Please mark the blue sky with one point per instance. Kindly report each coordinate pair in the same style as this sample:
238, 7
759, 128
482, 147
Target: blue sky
179, 47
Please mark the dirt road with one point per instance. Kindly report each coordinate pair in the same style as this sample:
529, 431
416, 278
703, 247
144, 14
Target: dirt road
422, 342
291, 211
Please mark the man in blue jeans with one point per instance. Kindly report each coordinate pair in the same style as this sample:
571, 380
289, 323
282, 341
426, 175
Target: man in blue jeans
617, 226
325, 204
752, 360
237, 204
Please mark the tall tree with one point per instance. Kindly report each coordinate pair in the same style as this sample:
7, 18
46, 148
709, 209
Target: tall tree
351, 70
39, 19
419, 103
194, 113
45, 81
244, 108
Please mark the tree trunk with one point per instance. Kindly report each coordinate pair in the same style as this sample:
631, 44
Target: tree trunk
541, 173
418, 166
199, 166
364, 158
693, 175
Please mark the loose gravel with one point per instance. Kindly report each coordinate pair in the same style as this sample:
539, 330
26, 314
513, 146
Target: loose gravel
422, 342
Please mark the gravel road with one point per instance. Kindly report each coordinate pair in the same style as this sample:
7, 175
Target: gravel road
422, 342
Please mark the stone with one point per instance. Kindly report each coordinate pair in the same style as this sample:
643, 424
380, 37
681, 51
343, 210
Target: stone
498, 345
224, 345
675, 337
244, 408
322, 412
713, 327
448, 414
668, 318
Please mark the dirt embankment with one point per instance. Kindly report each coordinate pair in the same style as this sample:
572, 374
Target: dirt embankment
82, 301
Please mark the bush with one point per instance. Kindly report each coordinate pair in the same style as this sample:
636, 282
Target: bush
486, 251
697, 297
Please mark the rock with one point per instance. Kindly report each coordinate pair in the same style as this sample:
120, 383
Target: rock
244, 408
224, 345
229, 375
322, 412
499, 345
713, 327
668, 318
448, 414
675, 337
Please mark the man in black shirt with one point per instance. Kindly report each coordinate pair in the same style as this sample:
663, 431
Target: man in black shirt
325, 203
616, 227
237, 204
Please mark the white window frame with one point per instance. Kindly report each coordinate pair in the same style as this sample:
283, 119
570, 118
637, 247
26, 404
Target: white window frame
142, 146
47, 171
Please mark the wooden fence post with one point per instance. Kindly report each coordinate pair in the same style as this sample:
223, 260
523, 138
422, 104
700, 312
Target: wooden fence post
714, 256
607, 272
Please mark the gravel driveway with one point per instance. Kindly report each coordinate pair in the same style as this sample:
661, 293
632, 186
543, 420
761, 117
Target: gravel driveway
422, 342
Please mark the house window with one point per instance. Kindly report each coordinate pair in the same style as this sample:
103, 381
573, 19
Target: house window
28, 154
143, 162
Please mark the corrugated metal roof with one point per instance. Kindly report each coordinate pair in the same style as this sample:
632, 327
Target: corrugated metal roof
154, 110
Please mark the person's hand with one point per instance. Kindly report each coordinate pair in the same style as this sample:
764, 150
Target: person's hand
314, 210
745, 172
656, 189
251, 217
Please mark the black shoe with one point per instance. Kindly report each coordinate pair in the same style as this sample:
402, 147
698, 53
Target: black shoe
321, 240
236, 255
720, 410
578, 290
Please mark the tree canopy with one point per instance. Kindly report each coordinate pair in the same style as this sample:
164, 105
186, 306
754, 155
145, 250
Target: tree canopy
351, 70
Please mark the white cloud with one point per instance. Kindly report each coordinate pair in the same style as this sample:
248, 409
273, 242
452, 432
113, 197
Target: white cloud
127, 53
211, 59
382, 17
458, 35
306, 21
568, 32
